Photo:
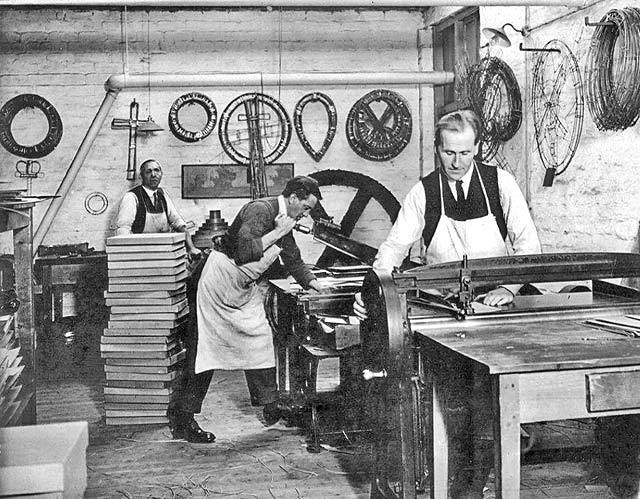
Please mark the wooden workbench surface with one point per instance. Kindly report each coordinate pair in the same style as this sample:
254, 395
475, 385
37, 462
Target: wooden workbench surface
534, 341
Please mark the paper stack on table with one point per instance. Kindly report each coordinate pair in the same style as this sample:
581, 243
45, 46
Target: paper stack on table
142, 355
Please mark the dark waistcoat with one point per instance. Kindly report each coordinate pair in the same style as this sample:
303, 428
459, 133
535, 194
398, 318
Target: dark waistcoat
474, 206
146, 205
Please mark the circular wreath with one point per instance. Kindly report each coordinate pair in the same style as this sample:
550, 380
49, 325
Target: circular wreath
9, 112
188, 99
379, 137
273, 122
96, 203
495, 97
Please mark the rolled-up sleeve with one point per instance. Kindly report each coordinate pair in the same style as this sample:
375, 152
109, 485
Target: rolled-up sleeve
126, 214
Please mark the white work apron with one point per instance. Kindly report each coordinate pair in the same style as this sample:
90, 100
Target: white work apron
233, 332
156, 222
476, 237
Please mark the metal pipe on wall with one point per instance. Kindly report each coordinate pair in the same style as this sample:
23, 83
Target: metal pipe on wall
122, 81
74, 168
316, 4
116, 83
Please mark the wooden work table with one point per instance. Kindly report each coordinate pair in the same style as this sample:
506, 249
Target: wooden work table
543, 365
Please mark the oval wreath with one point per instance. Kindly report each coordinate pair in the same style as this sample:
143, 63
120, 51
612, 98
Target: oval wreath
332, 116
9, 112
192, 98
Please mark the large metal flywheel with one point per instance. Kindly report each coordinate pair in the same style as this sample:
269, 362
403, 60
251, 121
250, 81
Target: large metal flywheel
366, 189
387, 348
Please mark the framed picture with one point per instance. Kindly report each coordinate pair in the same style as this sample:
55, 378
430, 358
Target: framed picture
230, 180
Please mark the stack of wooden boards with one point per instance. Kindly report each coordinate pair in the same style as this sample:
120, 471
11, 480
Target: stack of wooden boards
142, 354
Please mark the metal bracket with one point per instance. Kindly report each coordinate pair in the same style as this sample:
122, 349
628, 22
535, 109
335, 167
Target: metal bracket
587, 23
466, 288
29, 169
532, 49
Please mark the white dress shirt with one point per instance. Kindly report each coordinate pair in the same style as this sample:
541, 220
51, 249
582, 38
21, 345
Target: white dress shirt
522, 235
129, 207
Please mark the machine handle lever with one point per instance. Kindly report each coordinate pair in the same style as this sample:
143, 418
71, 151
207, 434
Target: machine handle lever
368, 374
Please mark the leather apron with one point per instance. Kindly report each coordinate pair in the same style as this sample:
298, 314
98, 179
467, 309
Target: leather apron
476, 237
233, 332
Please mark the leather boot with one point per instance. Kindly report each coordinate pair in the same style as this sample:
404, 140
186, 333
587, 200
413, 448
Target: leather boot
272, 412
183, 425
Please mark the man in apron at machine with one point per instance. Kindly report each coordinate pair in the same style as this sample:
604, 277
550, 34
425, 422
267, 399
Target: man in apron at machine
233, 331
463, 208
147, 208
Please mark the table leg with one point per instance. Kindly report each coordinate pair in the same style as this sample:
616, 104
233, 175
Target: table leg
506, 428
440, 442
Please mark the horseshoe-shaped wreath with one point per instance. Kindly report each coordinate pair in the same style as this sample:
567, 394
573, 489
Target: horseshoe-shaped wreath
332, 116
192, 98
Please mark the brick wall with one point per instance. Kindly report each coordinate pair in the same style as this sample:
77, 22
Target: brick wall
67, 55
594, 204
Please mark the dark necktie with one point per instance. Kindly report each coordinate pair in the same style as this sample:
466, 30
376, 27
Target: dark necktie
459, 191
155, 201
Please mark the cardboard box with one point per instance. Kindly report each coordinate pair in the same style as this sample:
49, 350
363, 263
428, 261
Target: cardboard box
44, 460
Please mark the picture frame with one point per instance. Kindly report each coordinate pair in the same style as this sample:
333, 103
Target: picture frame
229, 180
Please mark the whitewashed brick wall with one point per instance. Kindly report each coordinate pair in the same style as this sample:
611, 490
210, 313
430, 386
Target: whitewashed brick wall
67, 55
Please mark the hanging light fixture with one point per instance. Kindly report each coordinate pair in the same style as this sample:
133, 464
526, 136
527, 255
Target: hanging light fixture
497, 36
148, 125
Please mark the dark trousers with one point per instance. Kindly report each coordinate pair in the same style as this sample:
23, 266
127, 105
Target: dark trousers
472, 431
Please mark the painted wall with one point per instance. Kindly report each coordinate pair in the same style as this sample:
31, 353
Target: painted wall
594, 204
67, 55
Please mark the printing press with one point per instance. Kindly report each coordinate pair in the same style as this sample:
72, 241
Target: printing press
310, 327
563, 350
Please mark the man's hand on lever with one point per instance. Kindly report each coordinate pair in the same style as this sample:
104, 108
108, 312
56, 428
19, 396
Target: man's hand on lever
497, 297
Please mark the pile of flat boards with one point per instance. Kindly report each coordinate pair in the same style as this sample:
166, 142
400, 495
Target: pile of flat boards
142, 354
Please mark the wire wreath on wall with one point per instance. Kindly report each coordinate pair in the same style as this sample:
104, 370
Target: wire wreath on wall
493, 93
54, 133
187, 100
96, 203
332, 119
558, 107
274, 123
613, 70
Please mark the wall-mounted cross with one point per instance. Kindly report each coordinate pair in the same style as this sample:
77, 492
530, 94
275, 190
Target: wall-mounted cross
132, 125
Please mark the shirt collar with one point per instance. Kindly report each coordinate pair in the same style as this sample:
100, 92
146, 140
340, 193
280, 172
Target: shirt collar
282, 207
149, 191
466, 178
